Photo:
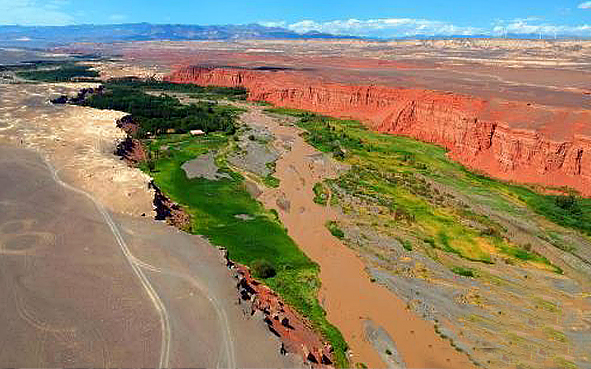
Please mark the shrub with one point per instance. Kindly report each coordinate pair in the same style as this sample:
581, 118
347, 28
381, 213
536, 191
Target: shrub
263, 269
568, 203
151, 165
335, 230
464, 272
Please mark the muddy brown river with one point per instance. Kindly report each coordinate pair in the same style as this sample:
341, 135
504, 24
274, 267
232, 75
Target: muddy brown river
347, 293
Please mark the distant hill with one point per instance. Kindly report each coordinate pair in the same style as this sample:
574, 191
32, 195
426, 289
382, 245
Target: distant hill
56, 35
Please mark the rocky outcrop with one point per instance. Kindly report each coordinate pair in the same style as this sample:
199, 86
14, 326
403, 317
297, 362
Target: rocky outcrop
79, 98
514, 141
170, 211
296, 334
130, 149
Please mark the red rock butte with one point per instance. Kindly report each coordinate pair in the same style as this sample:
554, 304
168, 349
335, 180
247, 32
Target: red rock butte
510, 140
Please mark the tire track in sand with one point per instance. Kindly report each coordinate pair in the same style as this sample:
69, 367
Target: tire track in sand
228, 342
152, 294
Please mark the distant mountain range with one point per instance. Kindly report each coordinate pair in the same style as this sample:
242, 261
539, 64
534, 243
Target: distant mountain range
56, 35
47, 36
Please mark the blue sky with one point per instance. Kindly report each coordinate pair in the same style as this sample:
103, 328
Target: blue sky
382, 18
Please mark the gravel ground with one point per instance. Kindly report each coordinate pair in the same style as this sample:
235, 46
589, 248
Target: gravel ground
254, 153
204, 167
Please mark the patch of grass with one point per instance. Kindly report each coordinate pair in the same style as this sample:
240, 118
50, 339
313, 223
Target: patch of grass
558, 240
405, 243
566, 210
464, 272
66, 72
546, 305
321, 194
555, 335
529, 256
562, 363
335, 230
271, 181
261, 243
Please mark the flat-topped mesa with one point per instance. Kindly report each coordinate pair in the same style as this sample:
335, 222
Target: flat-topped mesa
509, 140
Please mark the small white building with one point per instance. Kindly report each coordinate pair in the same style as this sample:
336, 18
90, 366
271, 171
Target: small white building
197, 132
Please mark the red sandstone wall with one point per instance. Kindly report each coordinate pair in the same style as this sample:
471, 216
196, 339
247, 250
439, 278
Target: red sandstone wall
507, 140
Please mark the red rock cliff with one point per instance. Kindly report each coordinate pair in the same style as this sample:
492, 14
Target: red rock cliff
508, 140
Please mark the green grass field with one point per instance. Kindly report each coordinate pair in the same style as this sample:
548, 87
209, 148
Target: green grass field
214, 205
399, 174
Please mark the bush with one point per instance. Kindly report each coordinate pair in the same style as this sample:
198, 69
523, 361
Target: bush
568, 203
151, 165
464, 272
320, 194
335, 230
263, 269
406, 244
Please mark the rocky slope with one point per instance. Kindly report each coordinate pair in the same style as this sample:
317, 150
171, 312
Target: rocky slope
515, 141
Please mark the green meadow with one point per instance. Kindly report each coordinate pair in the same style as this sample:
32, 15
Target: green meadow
258, 239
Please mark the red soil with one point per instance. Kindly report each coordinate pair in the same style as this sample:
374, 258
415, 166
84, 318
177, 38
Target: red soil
515, 141
296, 334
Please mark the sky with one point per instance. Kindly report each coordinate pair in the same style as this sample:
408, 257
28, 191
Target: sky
373, 18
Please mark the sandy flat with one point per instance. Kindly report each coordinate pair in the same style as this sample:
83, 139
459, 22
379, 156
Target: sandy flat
87, 281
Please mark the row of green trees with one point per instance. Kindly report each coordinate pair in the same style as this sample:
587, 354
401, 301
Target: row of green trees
64, 73
156, 85
159, 114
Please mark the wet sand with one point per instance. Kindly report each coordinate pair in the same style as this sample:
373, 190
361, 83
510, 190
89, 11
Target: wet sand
347, 293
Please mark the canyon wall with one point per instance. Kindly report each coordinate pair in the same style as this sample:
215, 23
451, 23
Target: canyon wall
514, 141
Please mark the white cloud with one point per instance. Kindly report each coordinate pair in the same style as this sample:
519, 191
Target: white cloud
385, 27
34, 12
408, 27
117, 18
274, 24
585, 5
536, 26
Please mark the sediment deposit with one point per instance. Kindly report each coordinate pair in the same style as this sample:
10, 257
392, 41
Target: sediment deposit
515, 141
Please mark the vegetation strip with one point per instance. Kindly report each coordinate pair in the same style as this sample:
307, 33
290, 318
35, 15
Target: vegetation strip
398, 176
62, 72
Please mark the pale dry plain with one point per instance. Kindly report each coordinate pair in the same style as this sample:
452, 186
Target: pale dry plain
88, 280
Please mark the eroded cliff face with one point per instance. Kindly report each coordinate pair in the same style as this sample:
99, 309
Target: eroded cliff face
509, 140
